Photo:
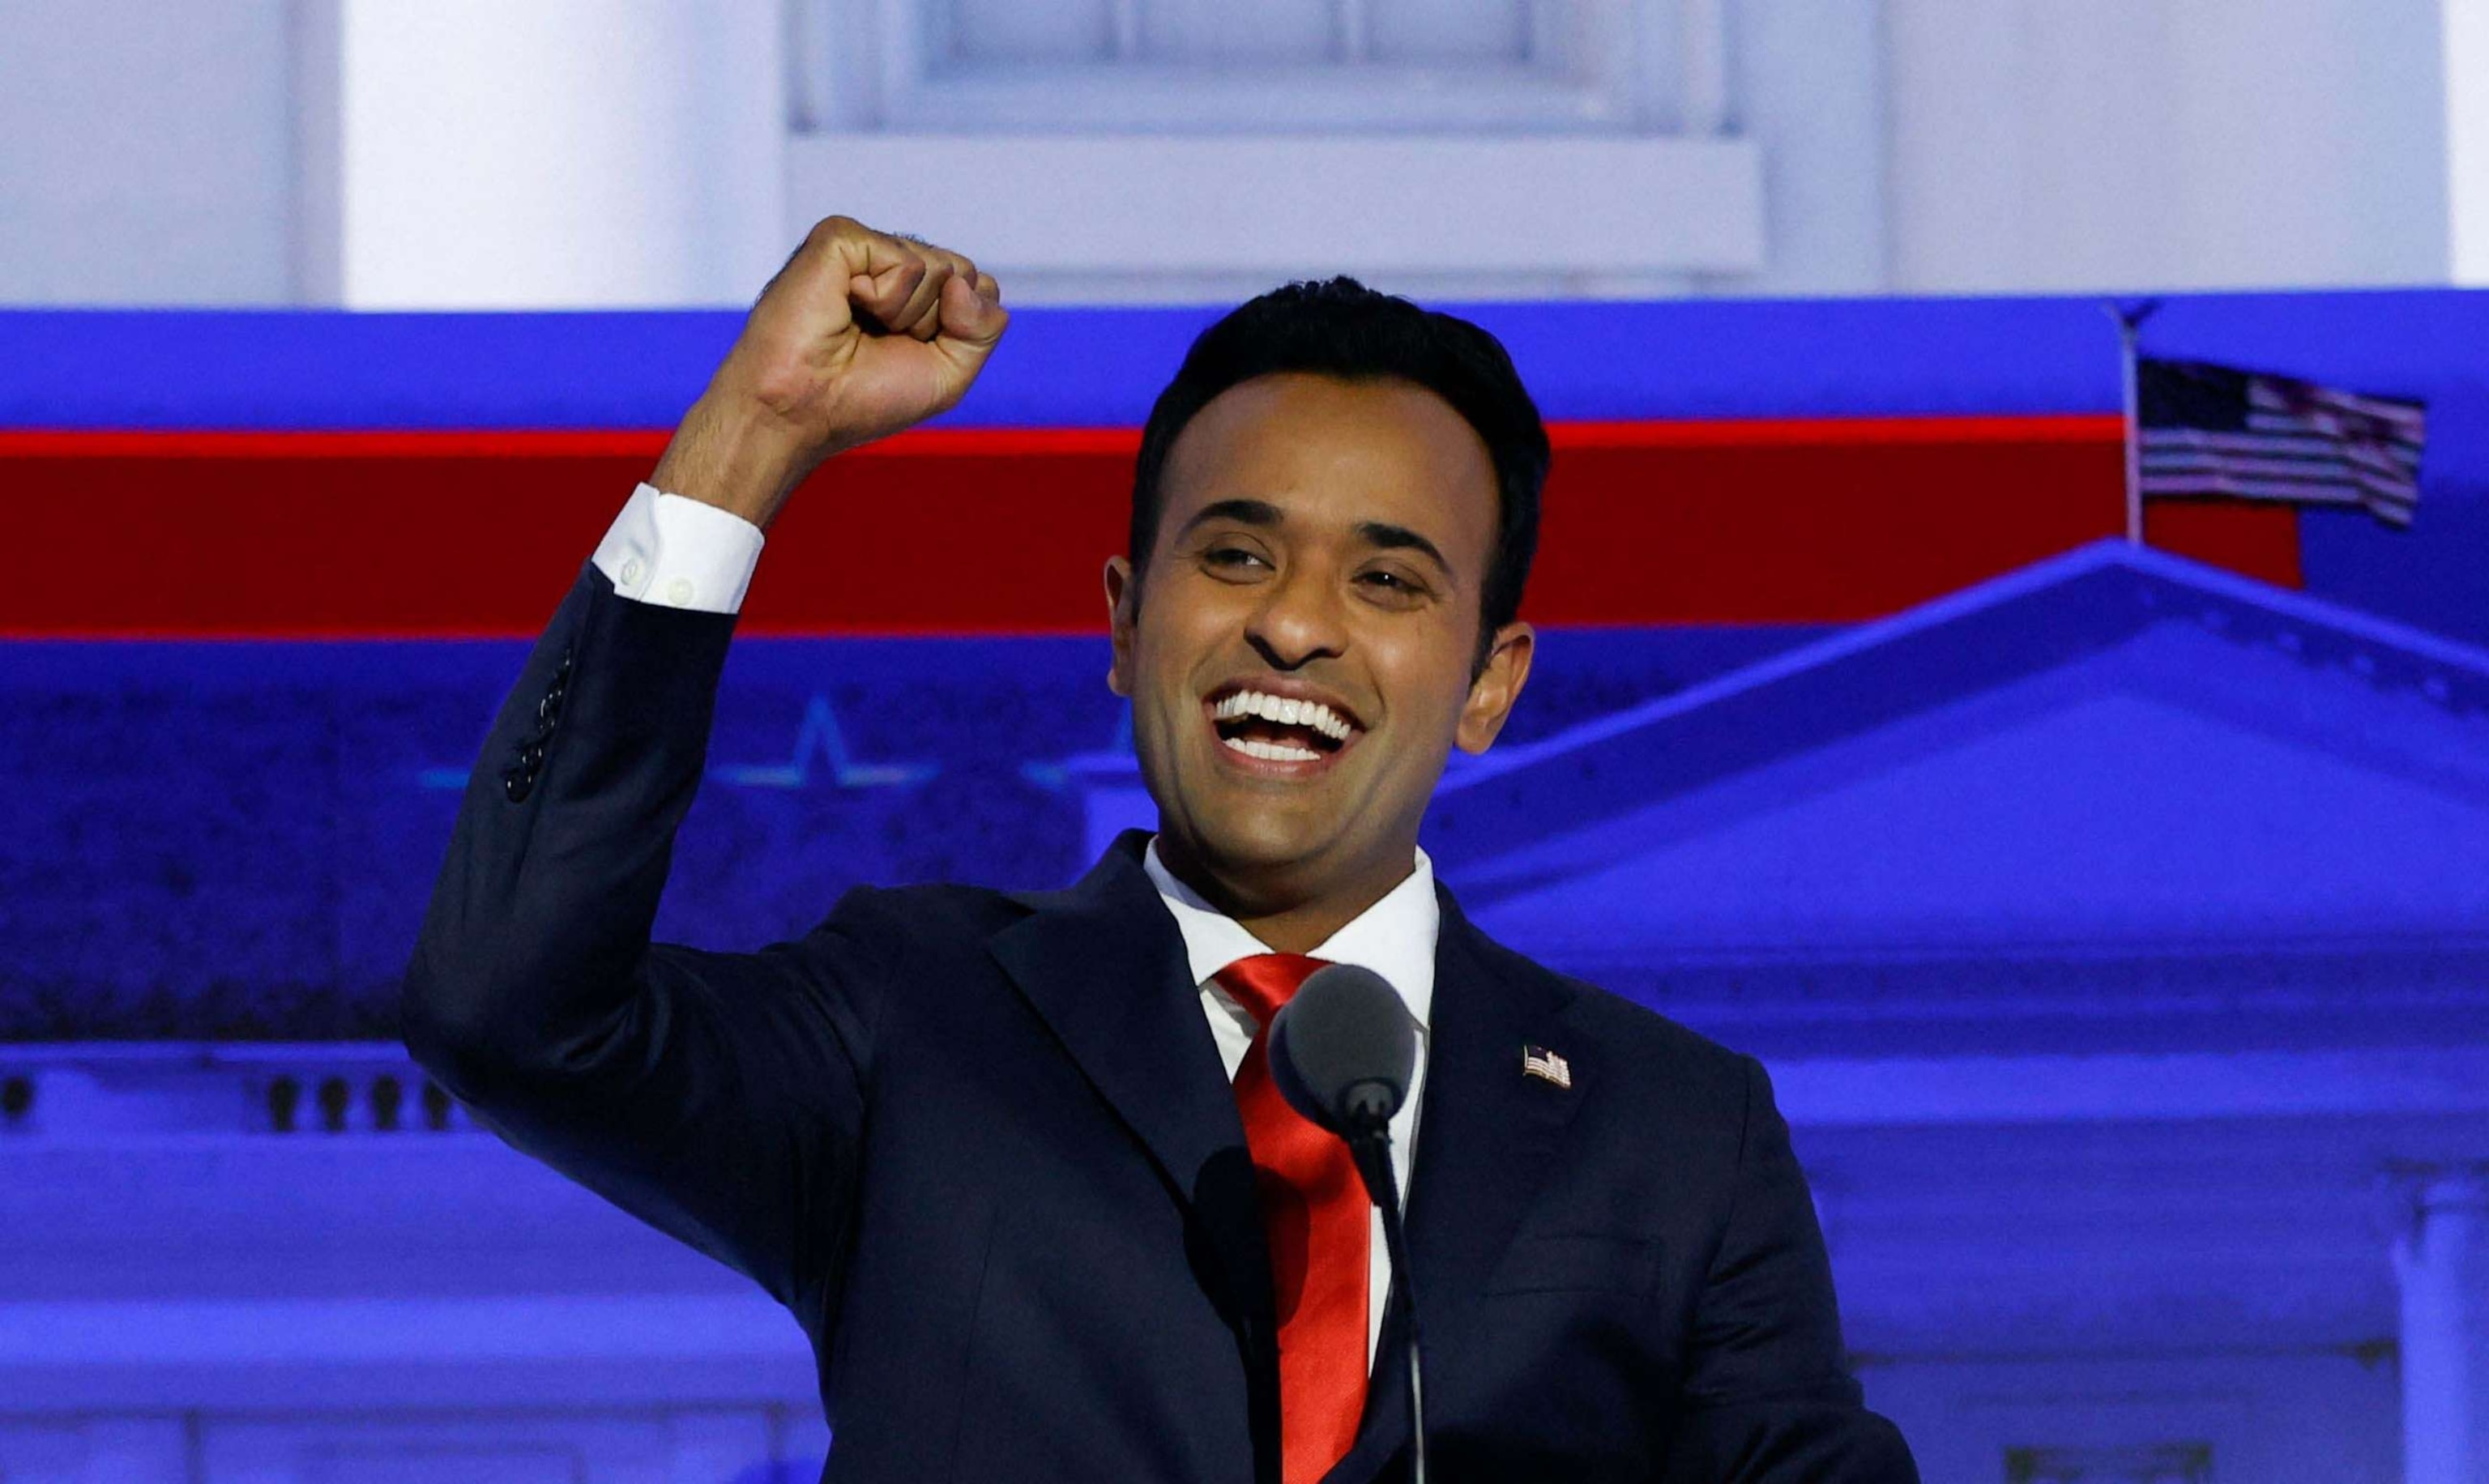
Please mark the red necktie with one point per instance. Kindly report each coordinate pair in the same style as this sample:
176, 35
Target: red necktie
1315, 1215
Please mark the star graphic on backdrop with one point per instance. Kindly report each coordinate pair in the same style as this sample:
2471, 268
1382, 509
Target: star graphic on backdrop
818, 737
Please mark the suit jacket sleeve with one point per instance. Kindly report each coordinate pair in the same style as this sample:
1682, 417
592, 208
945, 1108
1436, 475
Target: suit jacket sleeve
1768, 1397
717, 1096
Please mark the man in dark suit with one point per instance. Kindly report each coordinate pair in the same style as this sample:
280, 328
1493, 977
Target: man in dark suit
1015, 1161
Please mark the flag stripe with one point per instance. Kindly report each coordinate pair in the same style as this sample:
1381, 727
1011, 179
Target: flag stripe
2309, 492
2317, 469
2250, 487
2283, 428
2311, 450
2396, 512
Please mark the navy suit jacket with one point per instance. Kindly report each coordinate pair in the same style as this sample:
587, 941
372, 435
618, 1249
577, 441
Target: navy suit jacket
981, 1143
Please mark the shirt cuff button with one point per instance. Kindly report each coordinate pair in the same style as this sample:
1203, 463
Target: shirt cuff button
631, 571
678, 592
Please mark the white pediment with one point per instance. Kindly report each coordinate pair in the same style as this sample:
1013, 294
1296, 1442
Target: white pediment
2114, 816
2186, 782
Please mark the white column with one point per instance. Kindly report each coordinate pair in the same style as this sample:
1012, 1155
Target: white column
1702, 81
2466, 42
559, 152
2442, 1262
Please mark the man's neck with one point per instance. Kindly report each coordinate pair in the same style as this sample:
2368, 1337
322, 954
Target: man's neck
1291, 917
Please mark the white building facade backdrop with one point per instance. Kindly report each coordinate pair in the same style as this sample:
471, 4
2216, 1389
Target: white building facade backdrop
385, 154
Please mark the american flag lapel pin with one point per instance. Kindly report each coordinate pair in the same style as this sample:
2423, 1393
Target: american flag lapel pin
1539, 1061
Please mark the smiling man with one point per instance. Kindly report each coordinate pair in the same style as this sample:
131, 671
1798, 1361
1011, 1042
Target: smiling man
1016, 1162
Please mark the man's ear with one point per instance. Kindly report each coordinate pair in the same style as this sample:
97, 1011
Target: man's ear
1496, 686
1122, 595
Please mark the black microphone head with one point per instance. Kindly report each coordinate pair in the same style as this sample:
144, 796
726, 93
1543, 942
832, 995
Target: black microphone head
1342, 1048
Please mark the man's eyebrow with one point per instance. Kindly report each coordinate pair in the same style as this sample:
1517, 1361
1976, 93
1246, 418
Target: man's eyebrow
1390, 537
1244, 512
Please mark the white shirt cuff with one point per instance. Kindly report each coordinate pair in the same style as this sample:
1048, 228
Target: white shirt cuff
679, 553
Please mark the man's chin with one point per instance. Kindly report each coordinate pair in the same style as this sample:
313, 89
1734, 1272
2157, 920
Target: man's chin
1240, 849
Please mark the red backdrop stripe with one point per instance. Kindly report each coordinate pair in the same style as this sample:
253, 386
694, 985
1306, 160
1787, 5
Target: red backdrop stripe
648, 442
384, 534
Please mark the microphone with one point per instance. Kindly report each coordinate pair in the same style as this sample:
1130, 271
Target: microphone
1341, 1053
1342, 1049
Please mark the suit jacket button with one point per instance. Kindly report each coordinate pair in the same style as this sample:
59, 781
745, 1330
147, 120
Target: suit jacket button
549, 709
532, 756
516, 787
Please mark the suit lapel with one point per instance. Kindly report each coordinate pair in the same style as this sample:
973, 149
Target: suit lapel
1104, 964
1486, 1137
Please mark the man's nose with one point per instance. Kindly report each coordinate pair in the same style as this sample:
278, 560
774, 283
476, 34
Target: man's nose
1299, 619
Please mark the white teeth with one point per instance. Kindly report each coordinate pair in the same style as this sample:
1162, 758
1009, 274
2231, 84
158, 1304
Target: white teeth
1273, 752
1285, 712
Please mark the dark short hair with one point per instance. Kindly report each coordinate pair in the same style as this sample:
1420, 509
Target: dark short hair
1342, 328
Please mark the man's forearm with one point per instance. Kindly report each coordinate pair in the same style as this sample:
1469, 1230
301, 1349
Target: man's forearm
733, 453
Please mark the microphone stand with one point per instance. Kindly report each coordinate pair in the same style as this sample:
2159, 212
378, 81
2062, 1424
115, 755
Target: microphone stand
1369, 1144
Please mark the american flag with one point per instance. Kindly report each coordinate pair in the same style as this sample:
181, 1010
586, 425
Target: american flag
1539, 1061
2203, 429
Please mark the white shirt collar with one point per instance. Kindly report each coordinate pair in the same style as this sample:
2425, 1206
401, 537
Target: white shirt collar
1395, 937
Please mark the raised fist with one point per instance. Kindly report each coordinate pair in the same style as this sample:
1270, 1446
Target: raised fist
862, 333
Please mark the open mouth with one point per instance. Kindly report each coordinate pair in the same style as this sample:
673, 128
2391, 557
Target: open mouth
1279, 729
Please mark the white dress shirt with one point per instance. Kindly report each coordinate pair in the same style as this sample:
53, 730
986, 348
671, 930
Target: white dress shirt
681, 552
1395, 938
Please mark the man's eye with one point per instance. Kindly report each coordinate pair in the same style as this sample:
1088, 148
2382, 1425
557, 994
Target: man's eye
1229, 556
1394, 583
